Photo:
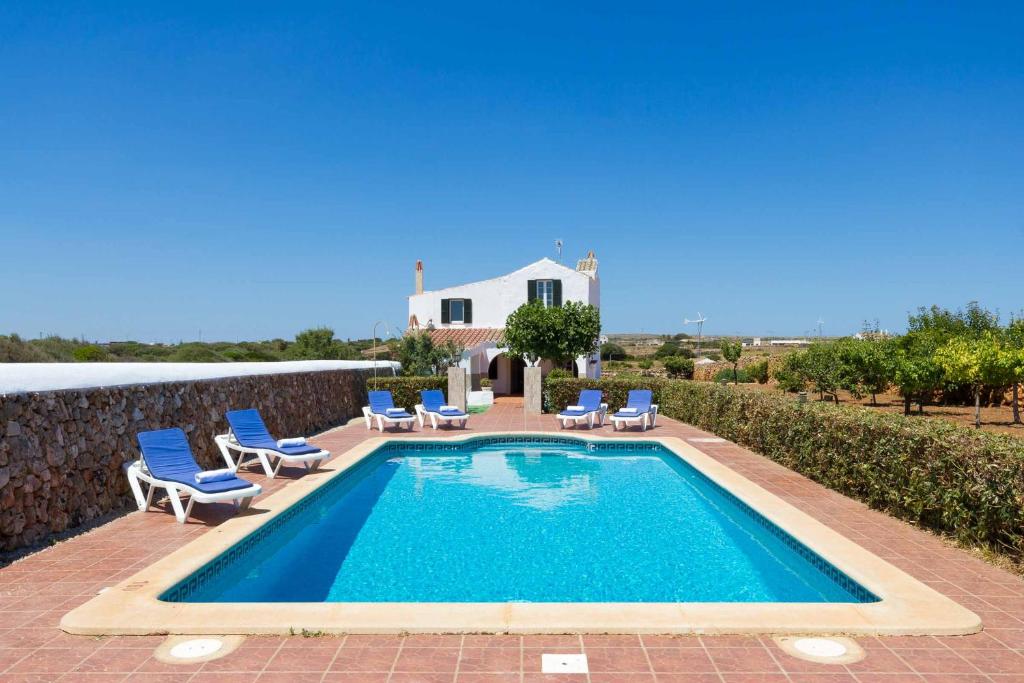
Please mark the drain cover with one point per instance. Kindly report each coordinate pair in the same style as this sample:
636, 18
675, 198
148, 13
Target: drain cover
193, 649
563, 664
820, 647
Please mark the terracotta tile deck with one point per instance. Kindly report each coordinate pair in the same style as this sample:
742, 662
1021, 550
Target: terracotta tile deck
37, 591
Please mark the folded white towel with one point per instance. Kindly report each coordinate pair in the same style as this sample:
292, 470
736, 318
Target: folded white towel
448, 408
631, 411
395, 411
214, 475
297, 441
574, 407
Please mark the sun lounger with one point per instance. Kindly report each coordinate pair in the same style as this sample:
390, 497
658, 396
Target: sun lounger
433, 406
248, 437
382, 409
638, 411
167, 462
587, 409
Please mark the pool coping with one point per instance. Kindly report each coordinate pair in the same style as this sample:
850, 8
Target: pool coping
906, 606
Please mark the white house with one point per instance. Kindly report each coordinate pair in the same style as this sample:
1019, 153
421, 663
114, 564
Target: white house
473, 316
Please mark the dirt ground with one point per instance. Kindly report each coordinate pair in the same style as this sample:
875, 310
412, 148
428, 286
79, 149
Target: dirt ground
996, 419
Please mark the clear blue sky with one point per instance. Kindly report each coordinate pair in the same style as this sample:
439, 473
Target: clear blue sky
253, 169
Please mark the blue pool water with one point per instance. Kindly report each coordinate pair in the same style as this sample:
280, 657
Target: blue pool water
548, 520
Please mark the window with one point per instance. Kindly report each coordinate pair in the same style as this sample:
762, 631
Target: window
546, 292
457, 310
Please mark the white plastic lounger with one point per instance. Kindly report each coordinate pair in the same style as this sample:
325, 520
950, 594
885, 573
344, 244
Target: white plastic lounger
248, 437
167, 462
434, 406
638, 411
382, 409
588, 410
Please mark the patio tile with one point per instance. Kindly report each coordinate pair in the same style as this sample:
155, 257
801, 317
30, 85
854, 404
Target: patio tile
427, 660
743, 659
680, 660
490, 659
365, 659
617, 659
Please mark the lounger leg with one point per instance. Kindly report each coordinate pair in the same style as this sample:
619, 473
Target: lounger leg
280, 463
264, 459
179, 512
149, 497
243, 503
226, 452
140, 500
433, 421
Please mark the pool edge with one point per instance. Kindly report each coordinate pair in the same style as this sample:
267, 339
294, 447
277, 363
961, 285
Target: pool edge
906, 606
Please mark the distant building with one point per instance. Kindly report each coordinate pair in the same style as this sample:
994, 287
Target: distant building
789, 342
473, 316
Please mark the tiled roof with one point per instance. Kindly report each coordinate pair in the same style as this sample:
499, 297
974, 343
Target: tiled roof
467, 337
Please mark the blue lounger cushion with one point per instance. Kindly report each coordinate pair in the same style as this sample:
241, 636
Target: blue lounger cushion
639, 399
590, 399
433, 399
249, 431
169, 458
380, 401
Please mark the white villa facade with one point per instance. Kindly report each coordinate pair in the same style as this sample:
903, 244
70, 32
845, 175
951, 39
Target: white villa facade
473, 316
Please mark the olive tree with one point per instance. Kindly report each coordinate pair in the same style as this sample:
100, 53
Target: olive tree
974, 363
731, 351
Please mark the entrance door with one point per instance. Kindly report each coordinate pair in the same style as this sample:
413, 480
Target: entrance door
517, 367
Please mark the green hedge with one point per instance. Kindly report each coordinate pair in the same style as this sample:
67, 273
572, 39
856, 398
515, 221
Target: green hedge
963, 482
406, 390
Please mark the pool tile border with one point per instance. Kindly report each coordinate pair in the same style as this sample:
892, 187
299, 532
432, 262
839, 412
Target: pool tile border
905, 606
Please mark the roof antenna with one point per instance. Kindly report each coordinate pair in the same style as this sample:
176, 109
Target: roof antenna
558, 248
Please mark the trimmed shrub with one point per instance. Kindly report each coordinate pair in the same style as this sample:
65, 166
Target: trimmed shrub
406, 390
678, 366
758, 372
938, 475
725, 376
942, 476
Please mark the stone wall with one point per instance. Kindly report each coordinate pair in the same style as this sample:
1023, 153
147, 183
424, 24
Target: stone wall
62, 452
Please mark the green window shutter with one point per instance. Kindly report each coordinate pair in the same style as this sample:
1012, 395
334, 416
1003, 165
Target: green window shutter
556, 293
531, 290
446, 316
467, 311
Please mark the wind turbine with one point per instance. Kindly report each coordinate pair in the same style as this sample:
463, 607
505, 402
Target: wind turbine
820, 323
700, 327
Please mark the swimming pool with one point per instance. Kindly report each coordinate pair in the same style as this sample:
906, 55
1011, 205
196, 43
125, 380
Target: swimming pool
521, 533
545, 519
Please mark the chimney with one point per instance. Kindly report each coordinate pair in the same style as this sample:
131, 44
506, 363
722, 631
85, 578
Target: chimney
588, 265
419, 277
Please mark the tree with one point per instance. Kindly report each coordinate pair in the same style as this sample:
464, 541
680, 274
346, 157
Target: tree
865, 366
557, 333
612, 351
420, 357
1015, 341
791, 375
731, 351
678, 366
822, 367
975, 363
318, 343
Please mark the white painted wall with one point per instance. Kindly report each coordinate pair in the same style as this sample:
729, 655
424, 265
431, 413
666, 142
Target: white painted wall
24, 377
494, 300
